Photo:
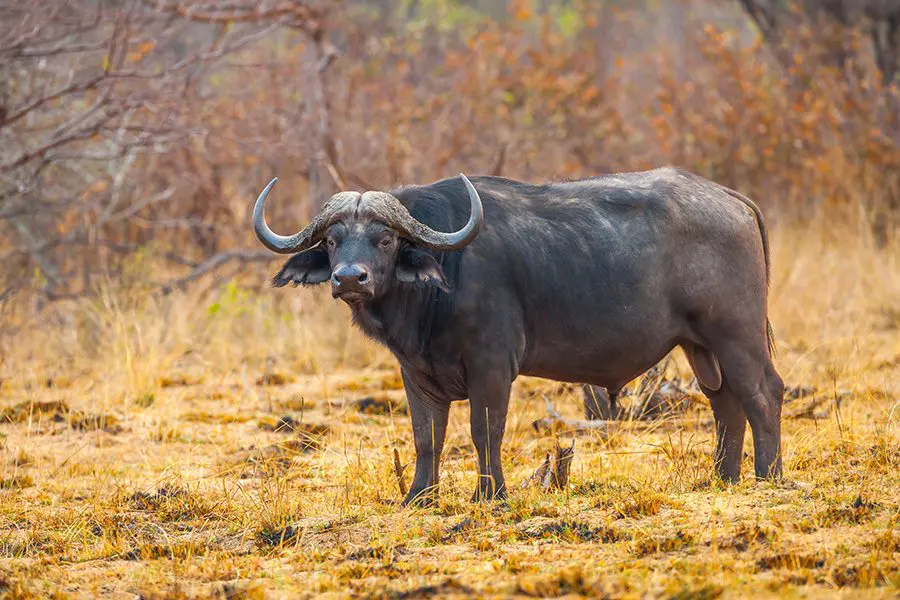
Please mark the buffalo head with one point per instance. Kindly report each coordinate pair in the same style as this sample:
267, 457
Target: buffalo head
363, 243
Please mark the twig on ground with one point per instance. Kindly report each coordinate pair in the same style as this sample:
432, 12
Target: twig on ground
555, 420
398, 470
829, 403
808, 411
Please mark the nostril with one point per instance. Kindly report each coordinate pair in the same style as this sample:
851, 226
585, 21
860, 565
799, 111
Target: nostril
349, 276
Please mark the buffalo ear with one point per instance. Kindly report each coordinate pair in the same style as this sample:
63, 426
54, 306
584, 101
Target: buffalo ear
306, 268
415, 266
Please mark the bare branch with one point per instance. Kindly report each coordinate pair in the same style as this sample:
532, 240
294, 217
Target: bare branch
239, 12
18, 112
214, 262
102, 102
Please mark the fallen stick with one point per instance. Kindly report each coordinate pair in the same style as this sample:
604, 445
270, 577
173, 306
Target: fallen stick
554, 419
830, 403
808, 411
398, 470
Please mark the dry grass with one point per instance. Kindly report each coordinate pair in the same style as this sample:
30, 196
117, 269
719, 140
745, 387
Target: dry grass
189, 447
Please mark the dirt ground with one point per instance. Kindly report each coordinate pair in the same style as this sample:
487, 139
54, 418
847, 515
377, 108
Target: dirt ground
238, 442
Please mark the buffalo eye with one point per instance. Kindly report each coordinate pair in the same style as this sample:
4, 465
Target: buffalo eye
331, 243
385, 242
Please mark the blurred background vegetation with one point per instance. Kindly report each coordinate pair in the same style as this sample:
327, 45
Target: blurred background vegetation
135, 134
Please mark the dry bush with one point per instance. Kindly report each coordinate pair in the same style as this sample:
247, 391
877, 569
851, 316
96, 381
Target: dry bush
331, 96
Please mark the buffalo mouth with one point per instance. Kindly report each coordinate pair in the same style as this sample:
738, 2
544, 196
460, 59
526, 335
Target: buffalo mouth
352, 296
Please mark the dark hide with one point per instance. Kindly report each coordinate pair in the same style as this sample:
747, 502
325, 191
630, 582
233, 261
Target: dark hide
590, 281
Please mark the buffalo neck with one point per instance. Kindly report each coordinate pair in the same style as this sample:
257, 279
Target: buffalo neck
403, 320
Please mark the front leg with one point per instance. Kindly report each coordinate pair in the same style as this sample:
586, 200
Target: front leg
429, 421
488, 404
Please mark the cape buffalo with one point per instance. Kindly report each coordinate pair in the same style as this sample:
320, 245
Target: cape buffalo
589, 281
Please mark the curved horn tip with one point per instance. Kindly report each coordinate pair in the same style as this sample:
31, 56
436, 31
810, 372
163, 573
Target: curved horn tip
271, 240
266, 189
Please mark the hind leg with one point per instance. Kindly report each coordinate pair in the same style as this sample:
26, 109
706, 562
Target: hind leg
765, 421
600, 404
596, 402
753, 386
